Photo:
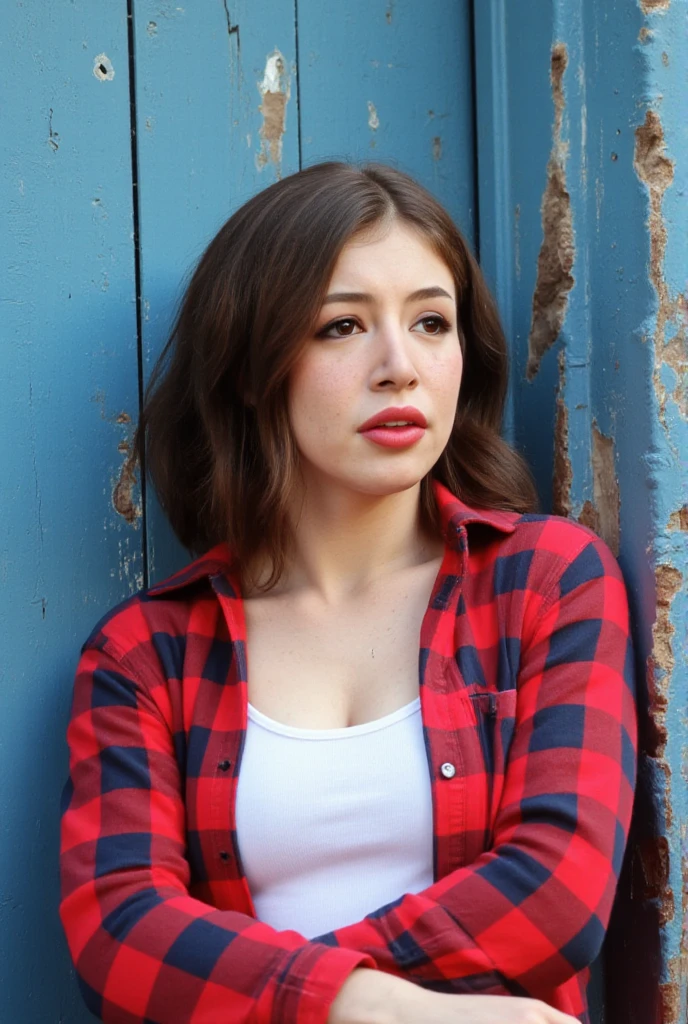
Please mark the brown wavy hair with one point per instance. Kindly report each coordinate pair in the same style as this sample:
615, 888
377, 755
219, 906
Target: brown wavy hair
223, 466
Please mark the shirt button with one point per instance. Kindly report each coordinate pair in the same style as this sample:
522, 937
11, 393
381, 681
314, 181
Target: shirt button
224, 855
448, 770
224, 766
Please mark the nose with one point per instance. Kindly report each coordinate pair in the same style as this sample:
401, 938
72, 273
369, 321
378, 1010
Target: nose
394, 364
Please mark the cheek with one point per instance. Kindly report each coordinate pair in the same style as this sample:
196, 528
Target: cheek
444, 376
321, 392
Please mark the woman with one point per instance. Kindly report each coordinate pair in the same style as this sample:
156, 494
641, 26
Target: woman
371, 756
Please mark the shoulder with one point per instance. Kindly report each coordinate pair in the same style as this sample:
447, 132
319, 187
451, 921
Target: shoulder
548, 553
154, 624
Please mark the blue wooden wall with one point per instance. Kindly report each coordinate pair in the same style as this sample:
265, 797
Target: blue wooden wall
555, 133
98, 237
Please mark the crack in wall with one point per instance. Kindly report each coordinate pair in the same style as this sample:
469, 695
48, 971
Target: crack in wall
557, 252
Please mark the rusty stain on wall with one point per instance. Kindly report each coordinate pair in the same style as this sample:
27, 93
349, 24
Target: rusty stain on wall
275, 90
656, 171
557, 252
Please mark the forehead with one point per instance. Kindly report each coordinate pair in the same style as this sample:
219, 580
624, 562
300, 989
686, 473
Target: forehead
397, 252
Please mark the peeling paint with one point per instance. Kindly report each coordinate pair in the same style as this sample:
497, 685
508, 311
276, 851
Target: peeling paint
275, 90
656, 171
606, 500
668, 583
679, 520
557, 252
373, 119
562, 478
123, 493
670, 992
652, 856
651, 6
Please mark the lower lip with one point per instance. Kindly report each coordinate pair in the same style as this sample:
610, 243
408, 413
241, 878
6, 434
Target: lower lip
394, 437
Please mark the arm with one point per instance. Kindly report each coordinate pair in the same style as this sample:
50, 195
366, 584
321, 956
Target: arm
532, 910
143, 948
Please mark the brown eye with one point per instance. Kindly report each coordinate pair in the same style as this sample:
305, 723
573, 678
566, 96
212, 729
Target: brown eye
438, 325
344, 328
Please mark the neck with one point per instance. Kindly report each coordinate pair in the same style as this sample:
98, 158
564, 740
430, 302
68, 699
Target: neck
347, 541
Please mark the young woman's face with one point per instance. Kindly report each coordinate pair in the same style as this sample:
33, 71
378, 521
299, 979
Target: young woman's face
373, 350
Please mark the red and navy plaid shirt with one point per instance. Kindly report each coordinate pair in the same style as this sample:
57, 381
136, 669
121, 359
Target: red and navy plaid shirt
527, 692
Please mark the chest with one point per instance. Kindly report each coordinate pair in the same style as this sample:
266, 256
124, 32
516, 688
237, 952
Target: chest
321, 668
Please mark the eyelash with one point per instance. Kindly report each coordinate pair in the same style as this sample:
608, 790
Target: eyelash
444, 325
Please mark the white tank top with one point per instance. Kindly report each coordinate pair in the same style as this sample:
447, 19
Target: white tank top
333, 823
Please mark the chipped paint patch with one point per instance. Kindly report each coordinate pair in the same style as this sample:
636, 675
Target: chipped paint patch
652, 856
123, 493
679, 520
605, 488
275, 90
562, 479
652, 6
557, 252
668, 583
656, 171
373, 119
102, 68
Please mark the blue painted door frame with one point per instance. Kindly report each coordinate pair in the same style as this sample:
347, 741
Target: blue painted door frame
556, 134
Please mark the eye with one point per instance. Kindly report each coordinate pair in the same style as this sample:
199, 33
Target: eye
343, 328
438, 324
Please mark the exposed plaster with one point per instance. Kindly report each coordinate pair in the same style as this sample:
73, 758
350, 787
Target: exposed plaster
557, 252
275, 90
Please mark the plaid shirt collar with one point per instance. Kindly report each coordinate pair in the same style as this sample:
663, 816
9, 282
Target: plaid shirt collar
455, 516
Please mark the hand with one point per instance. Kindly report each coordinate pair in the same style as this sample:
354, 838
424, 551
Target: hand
427, 1007
373, 997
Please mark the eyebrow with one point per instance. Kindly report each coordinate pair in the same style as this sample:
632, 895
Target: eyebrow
422, 293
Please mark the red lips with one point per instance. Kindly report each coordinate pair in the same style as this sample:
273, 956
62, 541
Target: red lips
394, 414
